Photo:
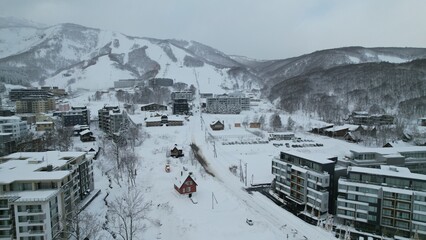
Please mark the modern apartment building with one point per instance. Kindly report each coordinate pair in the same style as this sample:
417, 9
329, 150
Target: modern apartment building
413, 158
182, 95
112, 119
18, 94
35, 105
75, 116
227, 104
389, 201
13, 125
304, 183
180, 107
39, 190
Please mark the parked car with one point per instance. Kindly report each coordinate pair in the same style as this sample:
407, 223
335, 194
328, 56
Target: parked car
249, 222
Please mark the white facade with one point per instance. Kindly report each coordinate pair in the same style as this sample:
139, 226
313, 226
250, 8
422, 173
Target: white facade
413, 158
390, 200
36, 194
13, 125
303, 183
225, 104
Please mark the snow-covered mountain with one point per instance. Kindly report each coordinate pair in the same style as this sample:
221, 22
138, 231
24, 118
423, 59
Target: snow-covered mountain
74, 56
66, 55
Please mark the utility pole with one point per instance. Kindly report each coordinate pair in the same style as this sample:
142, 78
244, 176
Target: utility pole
214, 148
241, 172
213, 200
245, 177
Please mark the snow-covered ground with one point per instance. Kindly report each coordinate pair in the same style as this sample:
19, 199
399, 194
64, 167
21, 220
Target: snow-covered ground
173, 216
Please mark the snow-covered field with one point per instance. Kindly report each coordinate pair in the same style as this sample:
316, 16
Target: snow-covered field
173, 216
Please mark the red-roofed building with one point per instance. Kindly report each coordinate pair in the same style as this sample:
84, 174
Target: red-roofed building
186, 186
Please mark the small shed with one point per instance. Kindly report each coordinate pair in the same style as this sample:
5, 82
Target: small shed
153, 107
176, 152
217, 126
86, 136
185, 184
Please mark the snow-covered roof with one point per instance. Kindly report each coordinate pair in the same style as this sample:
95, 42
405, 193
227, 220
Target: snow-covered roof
387, 151
10, 118
400, 144
32, 196
281, 133
43, 123
360, 113
137, 118
314, 156
337, 128
78, 127
388, 170
149, 104
84, 132
27, 166
169, 118
180, 179
176, 146
153, 119
397, 190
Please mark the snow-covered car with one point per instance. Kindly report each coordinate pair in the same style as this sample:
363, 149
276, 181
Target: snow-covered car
249, 222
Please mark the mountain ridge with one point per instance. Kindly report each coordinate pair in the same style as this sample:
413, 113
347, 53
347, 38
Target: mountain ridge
67, 54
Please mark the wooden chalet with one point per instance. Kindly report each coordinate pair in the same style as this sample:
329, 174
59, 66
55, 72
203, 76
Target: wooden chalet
321, 130
217, 126
176, 152
86, 136
185, 185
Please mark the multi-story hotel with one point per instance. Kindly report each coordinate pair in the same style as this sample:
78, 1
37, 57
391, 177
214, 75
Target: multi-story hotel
389, 201
39, 190
304, 183
35, 105
75, 116
227, 104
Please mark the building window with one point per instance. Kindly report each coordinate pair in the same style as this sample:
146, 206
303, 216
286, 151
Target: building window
403, 215
404, 196
371, 218
405, 206
402, 224
387, 212
387, 221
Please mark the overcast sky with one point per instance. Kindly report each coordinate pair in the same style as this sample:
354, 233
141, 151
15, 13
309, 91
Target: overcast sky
262, 29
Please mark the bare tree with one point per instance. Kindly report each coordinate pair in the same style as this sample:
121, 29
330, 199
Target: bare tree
130, 162
63, 137
127, 213
80, 225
